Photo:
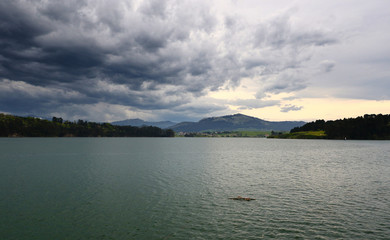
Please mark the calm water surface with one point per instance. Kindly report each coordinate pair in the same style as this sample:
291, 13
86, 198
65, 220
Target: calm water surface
178, 188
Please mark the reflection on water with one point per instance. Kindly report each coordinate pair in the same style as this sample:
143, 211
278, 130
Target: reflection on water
148, 188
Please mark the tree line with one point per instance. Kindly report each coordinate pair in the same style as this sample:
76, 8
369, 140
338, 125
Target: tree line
15, 126
369, 126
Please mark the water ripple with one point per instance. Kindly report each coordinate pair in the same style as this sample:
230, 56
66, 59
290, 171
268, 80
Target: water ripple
179, 189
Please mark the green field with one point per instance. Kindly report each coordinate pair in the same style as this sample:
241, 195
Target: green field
245, 133
301, 135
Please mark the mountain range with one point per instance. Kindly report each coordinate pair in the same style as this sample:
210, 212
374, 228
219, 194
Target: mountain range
236, 122
139, 123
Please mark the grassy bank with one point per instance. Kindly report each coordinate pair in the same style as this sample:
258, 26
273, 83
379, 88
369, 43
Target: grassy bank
301, 135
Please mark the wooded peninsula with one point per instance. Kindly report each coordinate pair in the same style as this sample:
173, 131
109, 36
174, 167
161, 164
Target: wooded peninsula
367, 127
14, 126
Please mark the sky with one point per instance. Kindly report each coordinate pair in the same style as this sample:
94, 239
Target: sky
183, 60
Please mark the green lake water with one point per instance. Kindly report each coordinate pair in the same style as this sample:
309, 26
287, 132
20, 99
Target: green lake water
178, 188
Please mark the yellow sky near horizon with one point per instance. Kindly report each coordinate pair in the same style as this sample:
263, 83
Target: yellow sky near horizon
312, 108
322, 108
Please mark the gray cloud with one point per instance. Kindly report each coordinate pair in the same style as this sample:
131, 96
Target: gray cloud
155, 55
327, 66
289, 107
244, 104
279, 33
287, 81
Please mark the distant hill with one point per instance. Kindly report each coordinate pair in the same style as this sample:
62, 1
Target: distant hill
139, 123
234, 122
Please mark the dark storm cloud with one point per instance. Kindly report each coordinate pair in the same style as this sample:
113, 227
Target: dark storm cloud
20, 97
18, 26
59, 42
31, 56
149, 55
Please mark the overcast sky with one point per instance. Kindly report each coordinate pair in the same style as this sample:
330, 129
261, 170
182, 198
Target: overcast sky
184, 60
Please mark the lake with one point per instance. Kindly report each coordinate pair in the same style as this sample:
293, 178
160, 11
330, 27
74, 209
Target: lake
178, 188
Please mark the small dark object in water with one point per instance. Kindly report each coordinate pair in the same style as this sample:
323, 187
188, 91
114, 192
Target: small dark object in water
242, 198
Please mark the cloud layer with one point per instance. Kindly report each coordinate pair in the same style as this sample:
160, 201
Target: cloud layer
154, 57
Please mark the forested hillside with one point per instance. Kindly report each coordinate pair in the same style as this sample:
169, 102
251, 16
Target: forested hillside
14, 126
370, 126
